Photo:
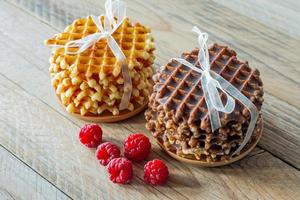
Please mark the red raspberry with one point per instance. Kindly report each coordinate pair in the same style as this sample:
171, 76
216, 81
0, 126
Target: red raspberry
90, 135
106, 152
120, 170
137, 147
156, 172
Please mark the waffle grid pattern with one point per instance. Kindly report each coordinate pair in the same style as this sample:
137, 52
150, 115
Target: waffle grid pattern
180, 89
177, 114
91, 82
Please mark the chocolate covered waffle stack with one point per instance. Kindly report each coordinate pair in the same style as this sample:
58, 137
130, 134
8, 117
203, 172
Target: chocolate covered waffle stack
91, 83
178, 116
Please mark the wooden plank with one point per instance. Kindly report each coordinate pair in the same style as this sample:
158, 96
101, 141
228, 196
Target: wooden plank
261, 47
253, 41
265, 48
283, 16
276, 137
290, 4
58, 155
18, 181
281, 136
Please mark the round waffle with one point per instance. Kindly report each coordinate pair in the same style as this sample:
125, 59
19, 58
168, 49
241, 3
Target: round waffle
177, 115
90, 84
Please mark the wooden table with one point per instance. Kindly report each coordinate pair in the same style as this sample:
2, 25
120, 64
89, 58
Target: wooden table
40, 155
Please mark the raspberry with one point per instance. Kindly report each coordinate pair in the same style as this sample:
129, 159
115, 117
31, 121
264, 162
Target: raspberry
120, 170
155, 172
90, 135
106, 152
137, 147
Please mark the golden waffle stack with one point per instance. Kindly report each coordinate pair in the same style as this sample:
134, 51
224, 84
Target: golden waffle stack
177, 114
91, 83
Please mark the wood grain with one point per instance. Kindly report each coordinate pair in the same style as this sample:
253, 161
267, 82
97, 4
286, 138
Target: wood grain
42, 135
18, 181
260, 49
266, 11
58, 155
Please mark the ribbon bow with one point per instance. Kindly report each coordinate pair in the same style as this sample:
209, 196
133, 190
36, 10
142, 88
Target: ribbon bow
211, 82
115, 14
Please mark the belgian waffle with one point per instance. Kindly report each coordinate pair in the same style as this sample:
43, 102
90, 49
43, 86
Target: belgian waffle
91, 83
177, 113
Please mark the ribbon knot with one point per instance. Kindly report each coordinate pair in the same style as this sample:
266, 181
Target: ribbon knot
106, 34
212, 83
115, 14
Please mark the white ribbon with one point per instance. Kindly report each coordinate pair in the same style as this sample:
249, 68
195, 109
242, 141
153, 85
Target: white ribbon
211, 82
115, 14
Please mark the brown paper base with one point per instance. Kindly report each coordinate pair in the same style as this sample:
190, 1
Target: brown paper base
246, 150
107, 116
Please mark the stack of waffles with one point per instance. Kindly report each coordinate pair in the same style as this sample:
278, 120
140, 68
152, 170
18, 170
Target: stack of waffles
177, 115
91, 83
